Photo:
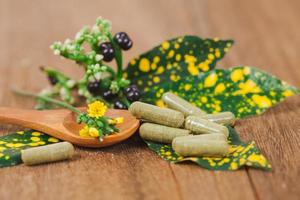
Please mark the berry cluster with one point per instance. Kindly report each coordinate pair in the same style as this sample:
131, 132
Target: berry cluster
100, 81
107, 50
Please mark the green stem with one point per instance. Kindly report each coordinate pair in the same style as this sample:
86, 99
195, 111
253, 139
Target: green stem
47, 99
118, 56
111, 71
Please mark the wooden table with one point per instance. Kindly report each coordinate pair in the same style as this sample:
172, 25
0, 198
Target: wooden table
267, 36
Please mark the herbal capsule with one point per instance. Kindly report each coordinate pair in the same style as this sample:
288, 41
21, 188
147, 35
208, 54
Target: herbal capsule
225, 118
48, 153
160, 133
202, 126
211, 136
199, 147
157, 114
177, 103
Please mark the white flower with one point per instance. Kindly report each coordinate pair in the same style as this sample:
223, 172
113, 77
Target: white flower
78, 35
68, 41
98, 76
70, 83
62, 92
56, 52
81, 91
96, 66
98, 57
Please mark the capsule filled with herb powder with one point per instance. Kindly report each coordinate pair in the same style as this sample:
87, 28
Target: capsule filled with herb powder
177, 103
199, 125
47, 153
184, 146
161, 133
225, 118
211, 136
157, 114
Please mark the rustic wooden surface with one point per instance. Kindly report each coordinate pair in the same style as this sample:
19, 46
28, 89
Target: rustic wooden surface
267, 36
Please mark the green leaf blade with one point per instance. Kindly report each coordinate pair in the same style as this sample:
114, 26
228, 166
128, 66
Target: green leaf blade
12, 144
240, 154
243, 90
176, 58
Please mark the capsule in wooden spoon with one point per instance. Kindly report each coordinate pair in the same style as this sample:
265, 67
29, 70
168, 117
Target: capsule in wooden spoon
160, 133
177, 103
225, 118
157, 114
199, 125
184, 146
47, 153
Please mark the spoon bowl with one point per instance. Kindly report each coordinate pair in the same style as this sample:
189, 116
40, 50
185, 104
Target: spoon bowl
62, 125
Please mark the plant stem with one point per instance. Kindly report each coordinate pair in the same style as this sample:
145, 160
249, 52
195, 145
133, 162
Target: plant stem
47, 99
118, 56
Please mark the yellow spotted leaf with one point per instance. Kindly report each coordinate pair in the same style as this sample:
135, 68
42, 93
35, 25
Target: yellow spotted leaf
243, 90
174, 59
12, 144
240, 154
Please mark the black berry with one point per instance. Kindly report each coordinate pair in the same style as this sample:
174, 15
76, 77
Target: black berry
107, 51
52, 80
109, 95
133, 96
123, 40
119, 105
130, 88
94, 87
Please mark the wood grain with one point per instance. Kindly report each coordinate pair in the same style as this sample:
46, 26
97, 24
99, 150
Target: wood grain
267, 36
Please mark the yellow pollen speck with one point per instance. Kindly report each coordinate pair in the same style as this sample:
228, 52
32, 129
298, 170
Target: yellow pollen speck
171, 54
189, 59
203, 66
233, 165
156, 59
176, 46
174, 77
165, 45
248, 87
210, 80
262, 101
35, 139
20, 132
133, 62
144, 65
217, 53
156, 79
216, 39
153, 66
187, 87
125, 75
178, 57
211, 56
193, 70
35, 133
52, 139
160, 103
237, 75
220, 88
160, 70
203, 99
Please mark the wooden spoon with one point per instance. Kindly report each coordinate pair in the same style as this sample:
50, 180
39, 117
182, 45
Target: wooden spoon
62, 124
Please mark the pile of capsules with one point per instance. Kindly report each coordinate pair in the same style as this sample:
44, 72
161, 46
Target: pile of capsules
191, 131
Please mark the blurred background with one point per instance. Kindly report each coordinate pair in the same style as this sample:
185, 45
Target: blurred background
266, 33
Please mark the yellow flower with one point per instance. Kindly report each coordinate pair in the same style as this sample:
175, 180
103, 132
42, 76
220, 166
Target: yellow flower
93, 132
118, 120
96, 109
84, 132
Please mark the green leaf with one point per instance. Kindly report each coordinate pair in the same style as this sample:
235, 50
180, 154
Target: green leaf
243, 90
12, 144
175, 59
240, 154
